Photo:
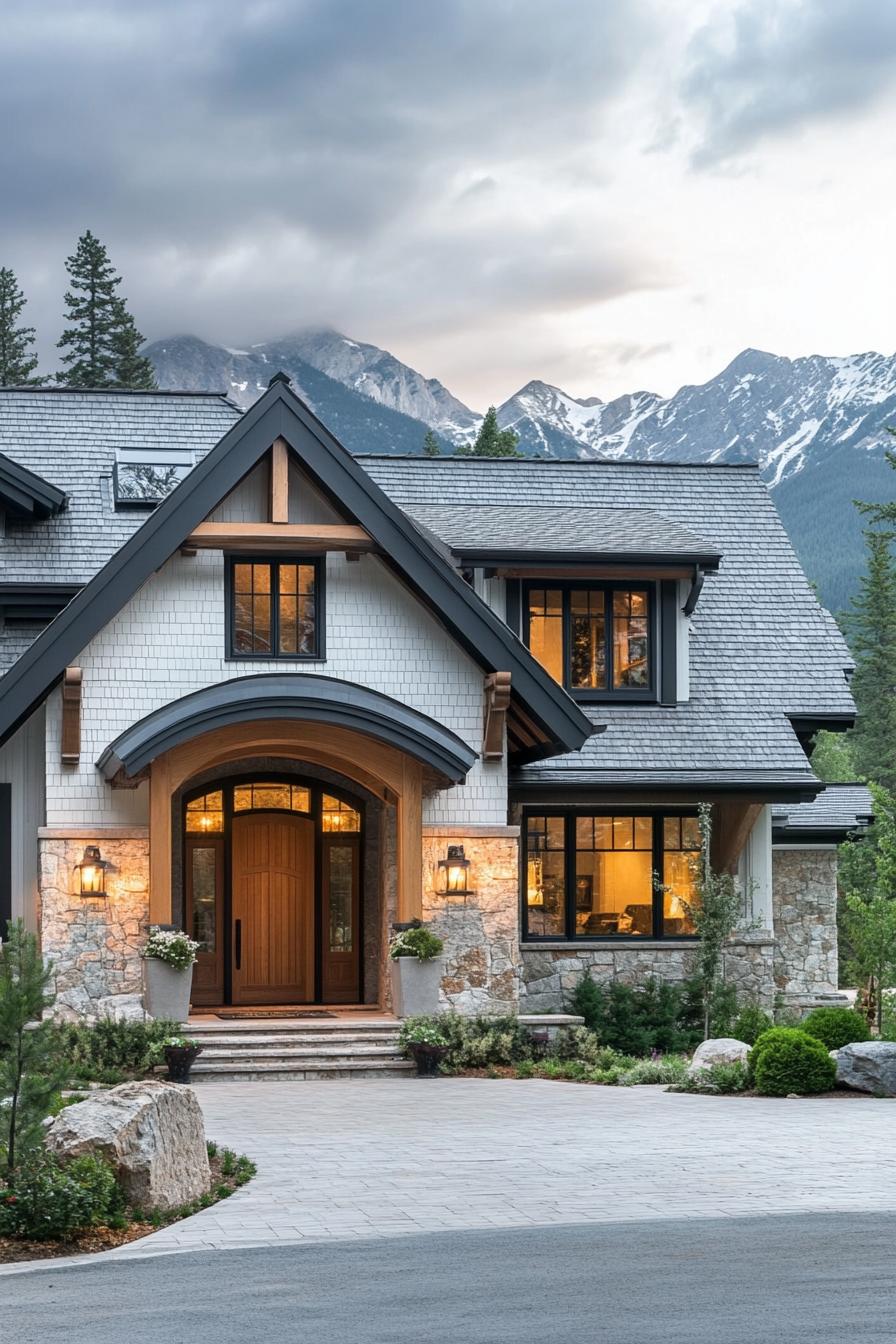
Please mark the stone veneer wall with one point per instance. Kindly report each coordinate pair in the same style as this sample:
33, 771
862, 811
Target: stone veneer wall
804, 897
94, 942
481, 931
550, 974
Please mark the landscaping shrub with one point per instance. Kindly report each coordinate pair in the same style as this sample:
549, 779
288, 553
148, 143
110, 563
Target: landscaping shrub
109, 1051
654, 1016
786, 1060
836, 1027
47, 1201
749, 1024
664, 1069
416, 942
476, 1042
718, 1079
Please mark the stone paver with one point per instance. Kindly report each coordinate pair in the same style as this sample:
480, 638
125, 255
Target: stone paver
385, 1157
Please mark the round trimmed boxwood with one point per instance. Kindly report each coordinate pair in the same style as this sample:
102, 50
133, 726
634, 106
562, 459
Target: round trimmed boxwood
785, 1060
836, 1027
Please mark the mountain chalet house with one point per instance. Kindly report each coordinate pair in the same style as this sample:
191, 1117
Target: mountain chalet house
262, 690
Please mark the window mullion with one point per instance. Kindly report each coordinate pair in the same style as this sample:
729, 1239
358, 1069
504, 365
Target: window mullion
658, 893
569, 841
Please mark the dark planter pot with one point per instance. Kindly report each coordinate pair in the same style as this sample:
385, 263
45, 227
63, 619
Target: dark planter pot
180, 1060
427, 1058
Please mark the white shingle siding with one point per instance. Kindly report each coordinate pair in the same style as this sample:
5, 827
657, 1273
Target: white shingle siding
22, 766
170, 640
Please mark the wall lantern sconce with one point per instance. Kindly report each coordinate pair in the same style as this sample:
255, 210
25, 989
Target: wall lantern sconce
453, 878
92, 872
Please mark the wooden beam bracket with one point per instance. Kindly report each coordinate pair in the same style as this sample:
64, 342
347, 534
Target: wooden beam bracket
71, 716
497, 700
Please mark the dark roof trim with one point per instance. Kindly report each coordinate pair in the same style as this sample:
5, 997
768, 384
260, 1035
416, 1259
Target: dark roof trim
289, 696
795, 838
121, 392
556, 793
280, 413
504, 555
35, 601
24, 494
805, 724
529, 458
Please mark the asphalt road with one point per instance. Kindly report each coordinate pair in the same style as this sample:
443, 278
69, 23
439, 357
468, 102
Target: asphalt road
755, 1280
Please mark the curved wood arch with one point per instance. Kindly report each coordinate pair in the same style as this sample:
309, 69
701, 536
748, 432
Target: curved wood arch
385, 772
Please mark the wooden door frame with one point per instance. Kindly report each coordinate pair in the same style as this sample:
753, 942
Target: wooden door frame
317, 788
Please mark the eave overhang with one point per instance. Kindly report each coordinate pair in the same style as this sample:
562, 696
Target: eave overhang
603, 790
301, 696
24, 494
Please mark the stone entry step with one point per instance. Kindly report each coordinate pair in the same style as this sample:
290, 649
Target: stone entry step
278, 1050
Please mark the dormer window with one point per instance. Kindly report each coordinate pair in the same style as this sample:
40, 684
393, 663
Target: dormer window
143, 477
596, 639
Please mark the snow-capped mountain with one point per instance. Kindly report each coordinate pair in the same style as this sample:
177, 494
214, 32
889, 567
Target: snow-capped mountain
817, 426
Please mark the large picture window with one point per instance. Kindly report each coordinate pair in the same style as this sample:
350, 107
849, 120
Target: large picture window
595, 639
610, 875
275, 608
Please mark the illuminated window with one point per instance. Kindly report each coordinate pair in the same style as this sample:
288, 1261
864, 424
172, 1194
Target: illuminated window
610, 875
271, 797
338, 816
592, 638
206, 814
274, 608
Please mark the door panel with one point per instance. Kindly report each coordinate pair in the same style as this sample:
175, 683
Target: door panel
272, 884
340, 932
204, 874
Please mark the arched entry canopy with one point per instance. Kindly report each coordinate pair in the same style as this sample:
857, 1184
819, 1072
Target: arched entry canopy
296, 696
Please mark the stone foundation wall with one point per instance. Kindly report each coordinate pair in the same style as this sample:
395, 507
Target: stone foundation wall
805, 910
550, 974
481, 931
94, 942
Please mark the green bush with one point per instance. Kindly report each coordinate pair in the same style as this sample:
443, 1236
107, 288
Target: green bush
718, 1079
416, 942
749, 1024
665, 1069
109, 1051
786, 1060
654, 1016
836, 1027
49, 1201
420, 1031
476, 1042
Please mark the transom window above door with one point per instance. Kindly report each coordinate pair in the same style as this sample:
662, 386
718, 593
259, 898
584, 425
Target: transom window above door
595, 639
274, 608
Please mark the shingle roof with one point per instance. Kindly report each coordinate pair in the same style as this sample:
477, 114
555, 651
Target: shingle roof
762, 648
479, 529
839, 810
69, 438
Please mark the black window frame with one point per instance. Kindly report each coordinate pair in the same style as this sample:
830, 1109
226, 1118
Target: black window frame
319, 563
570, 934
648, 693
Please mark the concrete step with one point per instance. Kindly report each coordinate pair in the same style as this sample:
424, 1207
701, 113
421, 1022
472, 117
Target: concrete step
259, 1041
336, 1050
255, 1070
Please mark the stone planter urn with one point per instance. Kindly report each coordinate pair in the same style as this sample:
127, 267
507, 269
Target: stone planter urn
166, 989
180, 1060
427, 1058
415, 985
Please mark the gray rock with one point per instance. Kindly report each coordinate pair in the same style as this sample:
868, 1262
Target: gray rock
151, 1132
867, 1066
721, 1050
121, 1007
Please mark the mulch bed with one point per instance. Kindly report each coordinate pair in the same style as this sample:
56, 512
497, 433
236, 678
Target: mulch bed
95, 1239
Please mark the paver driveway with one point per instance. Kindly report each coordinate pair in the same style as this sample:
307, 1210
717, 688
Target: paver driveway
374, 1158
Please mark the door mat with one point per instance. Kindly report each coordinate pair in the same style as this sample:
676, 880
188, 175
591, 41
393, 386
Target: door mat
276, 1012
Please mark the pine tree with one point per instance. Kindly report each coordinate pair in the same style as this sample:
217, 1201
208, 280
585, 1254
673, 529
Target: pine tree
29, 1075
872, 628
17, 361
492, 441
92, 316
131, 368
430, 445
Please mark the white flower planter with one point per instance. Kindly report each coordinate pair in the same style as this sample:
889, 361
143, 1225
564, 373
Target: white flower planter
415, 985
166, 989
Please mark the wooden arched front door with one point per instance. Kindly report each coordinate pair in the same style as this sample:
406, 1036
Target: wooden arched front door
272, 896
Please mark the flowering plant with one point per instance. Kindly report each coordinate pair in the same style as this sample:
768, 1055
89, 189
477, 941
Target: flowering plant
173, 947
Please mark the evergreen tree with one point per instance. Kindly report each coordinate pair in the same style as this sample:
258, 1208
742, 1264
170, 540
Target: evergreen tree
430, 445
492, 441
92, 316
29, 1075
872, 629
131, 368
17, 361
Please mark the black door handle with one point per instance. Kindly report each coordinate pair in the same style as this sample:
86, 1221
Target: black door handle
238, 949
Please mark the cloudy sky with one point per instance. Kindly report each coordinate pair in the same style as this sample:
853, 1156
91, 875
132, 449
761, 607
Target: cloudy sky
607, 195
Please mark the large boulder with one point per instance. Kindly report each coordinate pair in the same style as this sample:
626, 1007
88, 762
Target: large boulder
722, 1050
151, 1132
867, 1066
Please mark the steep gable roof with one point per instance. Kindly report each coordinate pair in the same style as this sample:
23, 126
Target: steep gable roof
279, 413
